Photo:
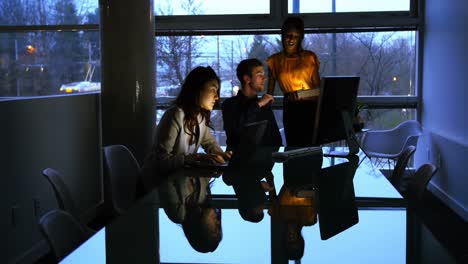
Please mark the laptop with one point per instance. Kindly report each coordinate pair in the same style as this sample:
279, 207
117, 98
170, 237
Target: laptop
250, 161
250, 139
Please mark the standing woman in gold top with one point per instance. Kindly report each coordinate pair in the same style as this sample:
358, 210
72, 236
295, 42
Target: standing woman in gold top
297, 73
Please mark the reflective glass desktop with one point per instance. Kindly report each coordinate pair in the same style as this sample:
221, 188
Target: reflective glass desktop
145, 234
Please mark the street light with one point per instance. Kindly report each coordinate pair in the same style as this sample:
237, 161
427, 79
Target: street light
30, 49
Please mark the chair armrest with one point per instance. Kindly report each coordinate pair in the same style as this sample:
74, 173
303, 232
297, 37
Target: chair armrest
390, 142
410, 141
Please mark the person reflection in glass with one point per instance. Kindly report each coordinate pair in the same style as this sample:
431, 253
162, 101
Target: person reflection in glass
186, 197
295, 212
182, 130
250, 191
296, 204
297, 72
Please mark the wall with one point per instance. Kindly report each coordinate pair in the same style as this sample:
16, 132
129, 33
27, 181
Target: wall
62, 132
444, 100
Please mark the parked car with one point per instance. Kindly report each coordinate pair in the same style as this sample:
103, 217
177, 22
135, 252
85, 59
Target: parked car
80, 87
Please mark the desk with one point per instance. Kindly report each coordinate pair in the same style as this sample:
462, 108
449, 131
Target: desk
145, 234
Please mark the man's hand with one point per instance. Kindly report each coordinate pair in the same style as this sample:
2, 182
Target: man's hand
266, 99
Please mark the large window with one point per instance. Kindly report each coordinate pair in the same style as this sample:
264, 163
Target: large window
385, 61
210, 7
47, 63
52, 47
328, 6
48, 47
48, 12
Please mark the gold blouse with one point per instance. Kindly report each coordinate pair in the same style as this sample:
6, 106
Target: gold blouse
295, 73
293, 209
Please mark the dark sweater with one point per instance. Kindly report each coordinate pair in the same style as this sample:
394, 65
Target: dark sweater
240, 110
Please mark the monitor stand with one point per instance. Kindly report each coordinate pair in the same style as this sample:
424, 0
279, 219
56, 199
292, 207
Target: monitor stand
351, 140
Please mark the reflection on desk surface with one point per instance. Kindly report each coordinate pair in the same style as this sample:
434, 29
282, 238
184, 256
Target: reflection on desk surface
247, 242
310, 209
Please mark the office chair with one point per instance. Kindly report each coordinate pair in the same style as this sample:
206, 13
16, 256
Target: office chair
412, 187
62, 231
402, 163
64, 199
62, 193
121, 178
382, 145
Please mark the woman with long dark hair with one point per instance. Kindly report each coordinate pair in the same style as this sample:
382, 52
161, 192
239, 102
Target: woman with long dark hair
185, 127
182, 130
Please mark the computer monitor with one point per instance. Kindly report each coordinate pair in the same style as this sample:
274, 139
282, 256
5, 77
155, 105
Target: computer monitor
335, 111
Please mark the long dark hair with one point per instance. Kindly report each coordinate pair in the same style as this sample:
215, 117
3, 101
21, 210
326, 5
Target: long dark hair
189, 100
199, 231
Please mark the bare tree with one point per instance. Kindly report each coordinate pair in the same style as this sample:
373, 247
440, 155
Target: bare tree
235, 50
377, 64
321, 46
175, 54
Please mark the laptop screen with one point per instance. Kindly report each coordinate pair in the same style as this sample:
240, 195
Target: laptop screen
252, 133
251, 137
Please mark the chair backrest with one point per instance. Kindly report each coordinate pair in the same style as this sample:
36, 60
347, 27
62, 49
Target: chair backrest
392, 141
62, 193
402, 163
408, 132
409, 127
413, 187
62, 231
121, 176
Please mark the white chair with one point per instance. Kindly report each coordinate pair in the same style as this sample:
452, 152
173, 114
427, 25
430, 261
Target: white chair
381, 145
400, 168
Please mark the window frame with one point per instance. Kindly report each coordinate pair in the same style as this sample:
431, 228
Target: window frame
270, 24
279, 11
343, 22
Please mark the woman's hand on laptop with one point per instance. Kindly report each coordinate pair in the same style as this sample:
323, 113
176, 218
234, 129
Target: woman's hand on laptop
217, 158
227, 155
224, 155
211, 158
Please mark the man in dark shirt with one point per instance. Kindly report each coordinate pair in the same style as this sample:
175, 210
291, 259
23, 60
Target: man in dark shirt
246, 107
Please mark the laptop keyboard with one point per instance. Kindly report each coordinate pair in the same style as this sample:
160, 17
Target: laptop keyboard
284, 156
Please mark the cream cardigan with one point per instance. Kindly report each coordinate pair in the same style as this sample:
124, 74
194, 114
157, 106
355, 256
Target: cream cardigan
171, 145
